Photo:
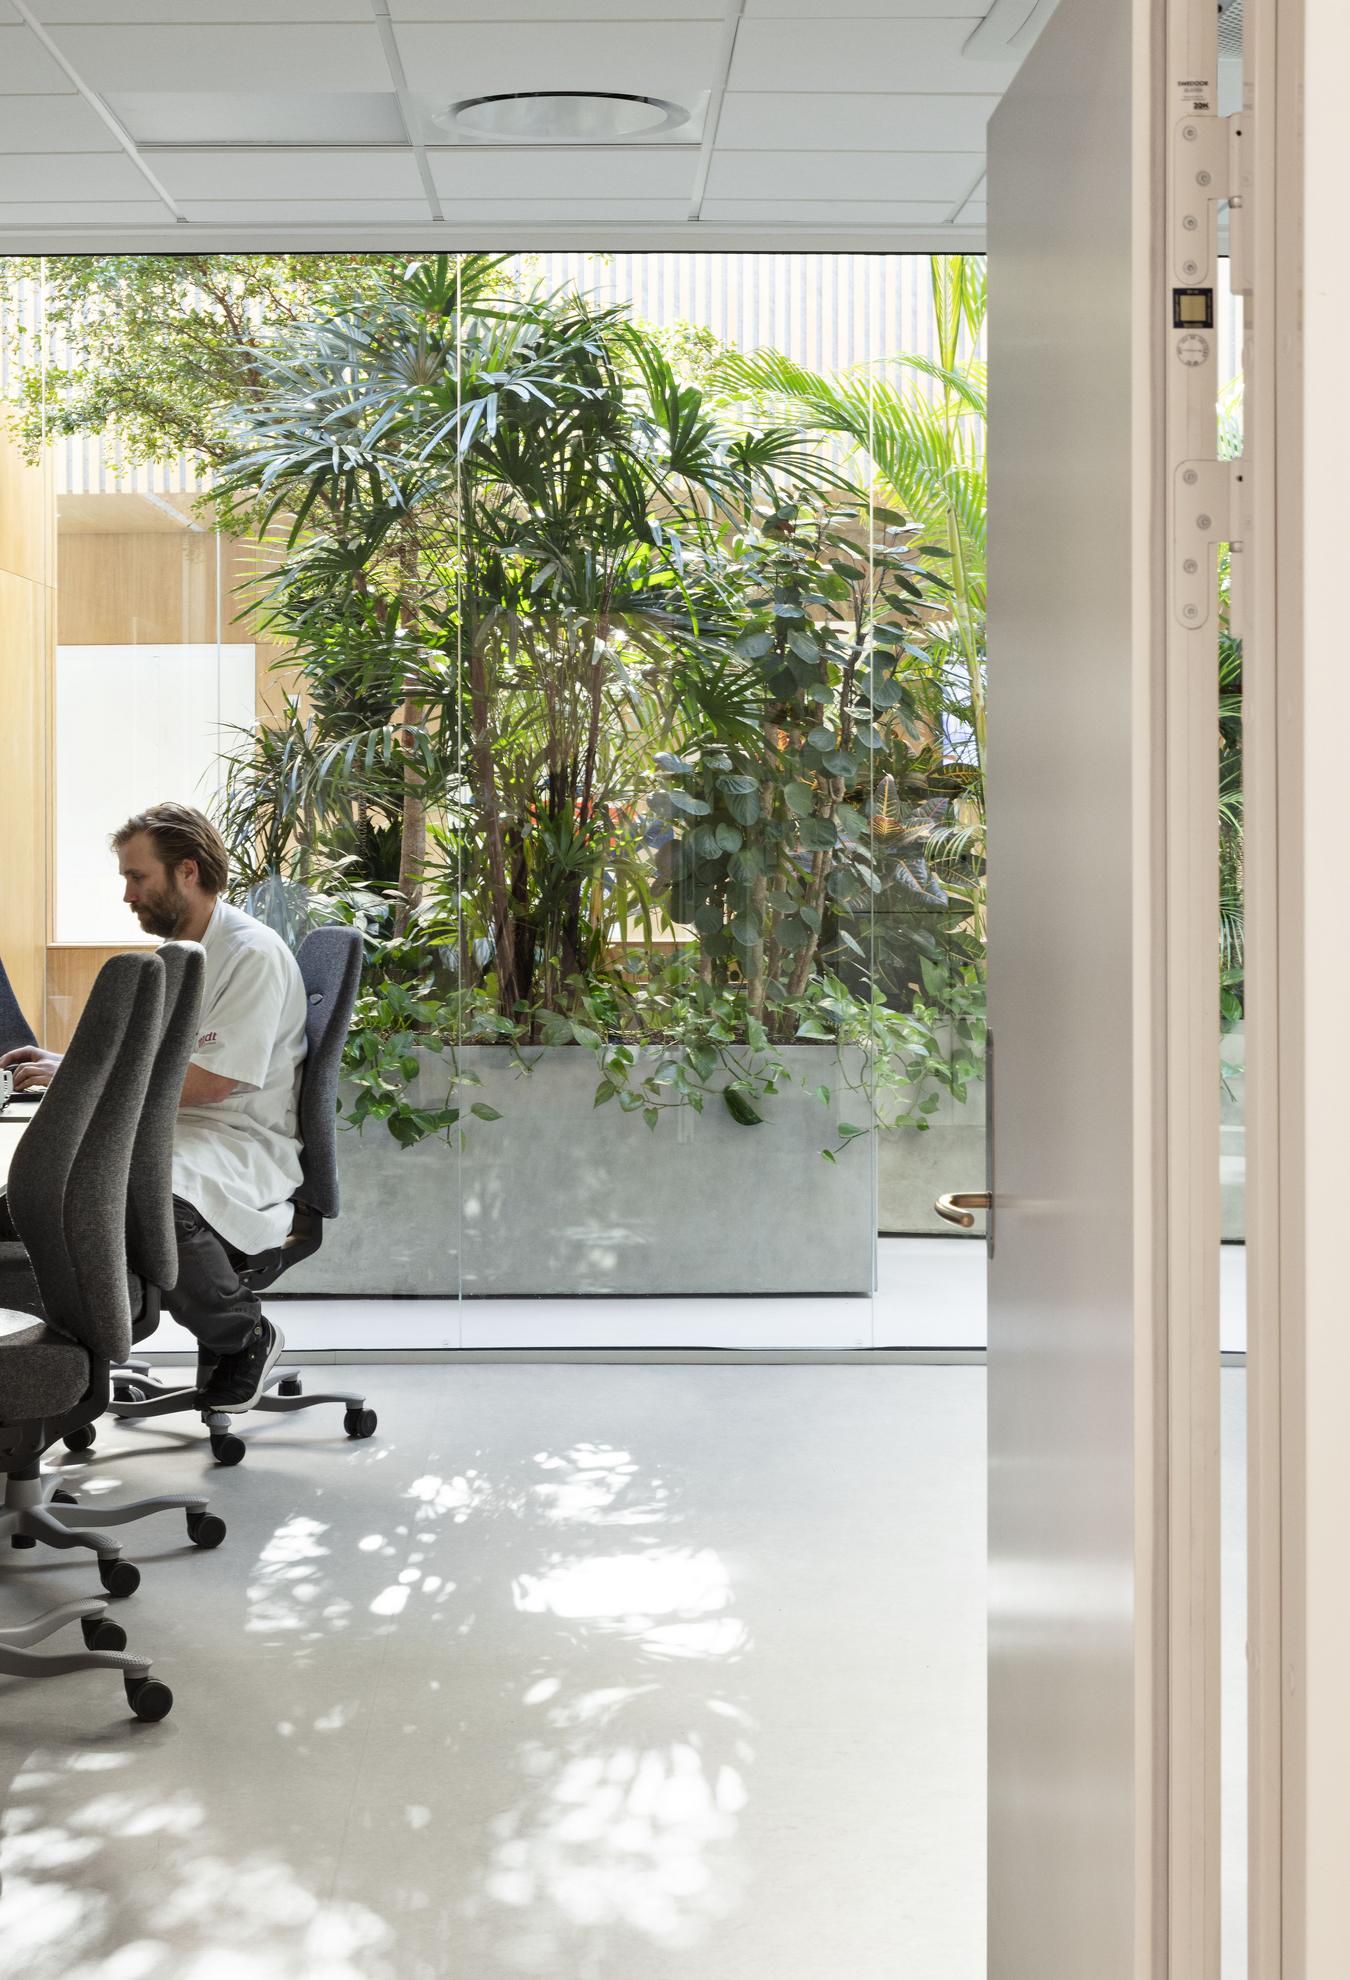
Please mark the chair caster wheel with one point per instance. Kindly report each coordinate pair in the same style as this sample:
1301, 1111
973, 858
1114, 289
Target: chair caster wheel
292, 1386
205, 1529
148, 1698
127, 1392
22, 1540
360, 1422
101, 1633
225, 1448
64, 1499
81, 1439
119, 1578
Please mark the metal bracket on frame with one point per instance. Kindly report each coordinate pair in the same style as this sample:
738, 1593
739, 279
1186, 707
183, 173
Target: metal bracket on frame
1212, 164
1210, 506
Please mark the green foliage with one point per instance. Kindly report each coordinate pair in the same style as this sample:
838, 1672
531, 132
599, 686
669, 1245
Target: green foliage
154, 347
663, 1041
610, 713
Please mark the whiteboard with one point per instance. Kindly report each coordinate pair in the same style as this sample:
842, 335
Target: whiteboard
134, 725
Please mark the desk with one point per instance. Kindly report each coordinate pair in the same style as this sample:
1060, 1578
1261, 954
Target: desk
12, 1124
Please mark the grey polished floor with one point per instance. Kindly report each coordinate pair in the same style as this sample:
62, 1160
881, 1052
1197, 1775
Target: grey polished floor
587, 1673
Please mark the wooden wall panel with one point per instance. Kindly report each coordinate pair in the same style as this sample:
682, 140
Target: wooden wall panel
137, 589
71, 969
149, 587
27, 516
27, 632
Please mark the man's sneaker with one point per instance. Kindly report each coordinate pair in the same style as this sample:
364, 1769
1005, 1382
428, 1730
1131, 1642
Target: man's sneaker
239, 1378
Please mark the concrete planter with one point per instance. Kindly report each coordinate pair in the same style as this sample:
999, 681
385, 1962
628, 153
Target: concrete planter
558, 1198
914, 1169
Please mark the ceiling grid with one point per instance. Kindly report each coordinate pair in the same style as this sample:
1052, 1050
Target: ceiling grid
293, 123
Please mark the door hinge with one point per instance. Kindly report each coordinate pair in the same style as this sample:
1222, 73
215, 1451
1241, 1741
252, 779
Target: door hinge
1211, 505
1213, 163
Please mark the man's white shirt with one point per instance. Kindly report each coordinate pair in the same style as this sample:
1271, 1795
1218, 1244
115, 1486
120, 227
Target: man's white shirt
237, 1160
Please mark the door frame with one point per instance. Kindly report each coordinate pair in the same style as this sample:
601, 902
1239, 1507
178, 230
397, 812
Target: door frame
1298, 1166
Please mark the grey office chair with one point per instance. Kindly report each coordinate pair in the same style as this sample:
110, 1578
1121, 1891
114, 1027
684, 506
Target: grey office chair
151, 1252
67, 1196
330, 967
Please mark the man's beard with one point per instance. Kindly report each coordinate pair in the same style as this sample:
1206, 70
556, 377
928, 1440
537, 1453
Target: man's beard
162, 913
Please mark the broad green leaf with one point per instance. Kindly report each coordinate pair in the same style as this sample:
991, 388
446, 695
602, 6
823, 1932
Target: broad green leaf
741, 1107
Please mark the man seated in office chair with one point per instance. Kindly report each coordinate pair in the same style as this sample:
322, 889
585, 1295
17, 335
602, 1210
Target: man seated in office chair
236, 1157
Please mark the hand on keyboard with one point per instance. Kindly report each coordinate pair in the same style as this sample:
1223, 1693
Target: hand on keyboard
32, 1068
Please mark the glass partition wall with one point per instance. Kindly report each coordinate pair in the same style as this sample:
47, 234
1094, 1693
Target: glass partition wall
603, 635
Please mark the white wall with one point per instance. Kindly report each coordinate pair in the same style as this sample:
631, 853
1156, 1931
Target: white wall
134, 725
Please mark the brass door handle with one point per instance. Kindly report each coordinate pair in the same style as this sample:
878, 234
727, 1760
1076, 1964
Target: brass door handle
956, 1207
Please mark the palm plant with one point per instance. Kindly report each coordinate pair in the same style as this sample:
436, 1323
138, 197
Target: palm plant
918, 423
923, 435
503, 579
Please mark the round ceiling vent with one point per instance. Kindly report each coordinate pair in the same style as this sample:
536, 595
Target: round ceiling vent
562, 116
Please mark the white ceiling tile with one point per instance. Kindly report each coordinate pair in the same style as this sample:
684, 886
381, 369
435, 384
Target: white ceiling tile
8, 15
69, 175
564, 173
849, 56
35, 215
308, 212
974, 213
284, 175
340, 57
808, 213
649, 58
26, 66
871, 10
843, 175
557, 10
194, 13
483, 214
752, 121
53, 123
259, 116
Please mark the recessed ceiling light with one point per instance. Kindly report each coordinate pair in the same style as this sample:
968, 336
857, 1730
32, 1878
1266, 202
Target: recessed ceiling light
562, 116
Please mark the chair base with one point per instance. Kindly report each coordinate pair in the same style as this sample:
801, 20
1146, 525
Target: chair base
138, 1395
148, 1697
33, 1514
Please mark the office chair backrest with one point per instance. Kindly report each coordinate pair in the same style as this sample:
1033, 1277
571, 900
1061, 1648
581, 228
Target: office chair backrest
15, 1029
330, 965
152, 1249
68, 1177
